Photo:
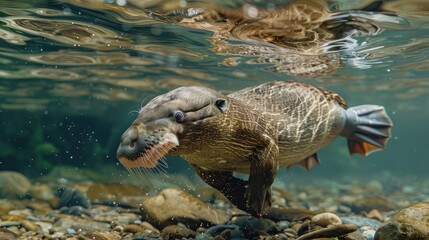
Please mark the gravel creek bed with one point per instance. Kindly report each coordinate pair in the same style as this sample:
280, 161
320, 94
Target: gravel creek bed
336, 210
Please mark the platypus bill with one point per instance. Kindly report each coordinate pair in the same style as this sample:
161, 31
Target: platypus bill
254, 131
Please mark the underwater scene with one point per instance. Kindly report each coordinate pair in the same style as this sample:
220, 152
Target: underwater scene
246, 119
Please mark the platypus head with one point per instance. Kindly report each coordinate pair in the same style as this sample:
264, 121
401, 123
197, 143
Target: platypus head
171, 124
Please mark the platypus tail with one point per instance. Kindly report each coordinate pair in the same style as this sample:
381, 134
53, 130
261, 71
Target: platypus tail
367, 129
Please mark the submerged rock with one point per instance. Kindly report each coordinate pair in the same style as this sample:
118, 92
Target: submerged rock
173, 205
72, 197
367, 204
177, 232
41, 191
252, 226
80, 224
6, 234
325, 219
410, 223
329, 232
13, 185
230, 231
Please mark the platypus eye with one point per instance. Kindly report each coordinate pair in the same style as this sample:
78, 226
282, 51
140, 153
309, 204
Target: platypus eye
179, 116
221, 104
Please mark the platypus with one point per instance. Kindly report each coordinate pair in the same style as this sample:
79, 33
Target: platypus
254, 131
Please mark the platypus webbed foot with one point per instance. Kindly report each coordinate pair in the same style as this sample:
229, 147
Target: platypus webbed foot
367, 129
235, 189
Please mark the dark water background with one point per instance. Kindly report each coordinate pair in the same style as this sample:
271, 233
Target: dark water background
71, 73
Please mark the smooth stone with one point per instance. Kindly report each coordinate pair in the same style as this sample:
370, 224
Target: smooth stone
102, 236
329, 232
290, 231
57, 235
369, 234
133, 228
362, 222
326, 219
177, 232
41, 191
234, 231
375, 214
30, 225
283, 225
13, 185
5, 224
15, 230
6, 234
80, 224
149, 227
356, 235
6, 206
45, 226
288, 214
409, 223
252, 226
366, 204
174, 205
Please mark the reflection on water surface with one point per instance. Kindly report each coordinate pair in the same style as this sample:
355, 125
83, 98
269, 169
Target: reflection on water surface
156, 45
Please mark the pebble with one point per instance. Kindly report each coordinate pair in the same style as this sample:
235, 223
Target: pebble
326, 219
149, 227
329, 232
133, 228
45, 226
6, 234
368, 233
78, 224
375, 214
102, 236
282, 225
252, 226
5, 224
177, 232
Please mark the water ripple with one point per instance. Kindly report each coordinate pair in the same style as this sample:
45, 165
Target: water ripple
84, 48
69, 32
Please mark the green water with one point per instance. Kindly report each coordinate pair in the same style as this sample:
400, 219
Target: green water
72, 73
